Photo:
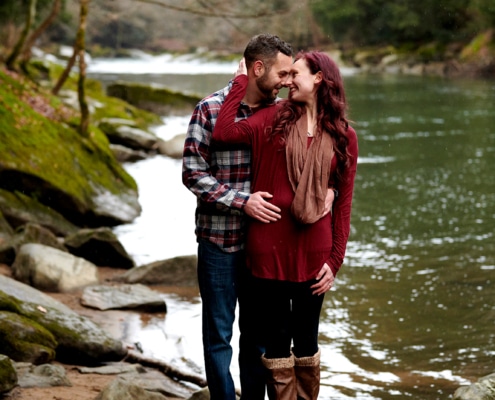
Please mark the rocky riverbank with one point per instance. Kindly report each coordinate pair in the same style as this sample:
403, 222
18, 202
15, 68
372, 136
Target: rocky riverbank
60, 195
148, 379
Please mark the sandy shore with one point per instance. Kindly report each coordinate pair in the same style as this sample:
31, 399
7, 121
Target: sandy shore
84, 386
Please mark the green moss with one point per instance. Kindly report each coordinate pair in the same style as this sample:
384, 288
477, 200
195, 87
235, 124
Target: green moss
482, 43
109, 107
145, 96
42, 142
25, 340
9, 303
8, 374
431, 52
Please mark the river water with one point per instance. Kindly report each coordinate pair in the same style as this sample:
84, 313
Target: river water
412, 314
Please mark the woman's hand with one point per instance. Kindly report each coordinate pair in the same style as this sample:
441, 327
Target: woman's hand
325, 280
329, 199
241, 69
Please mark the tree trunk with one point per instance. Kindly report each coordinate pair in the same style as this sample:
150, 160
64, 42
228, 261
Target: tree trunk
65, 73
26, 54
79, 50
81, 47
12, 59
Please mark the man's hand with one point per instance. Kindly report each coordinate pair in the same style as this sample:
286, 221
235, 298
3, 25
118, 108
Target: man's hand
328, 202
241, 69
258, 208
325, 280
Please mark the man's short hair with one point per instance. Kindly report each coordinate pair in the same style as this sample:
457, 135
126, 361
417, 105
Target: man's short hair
265, 47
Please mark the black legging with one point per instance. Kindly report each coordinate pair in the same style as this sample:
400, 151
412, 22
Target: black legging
290, 314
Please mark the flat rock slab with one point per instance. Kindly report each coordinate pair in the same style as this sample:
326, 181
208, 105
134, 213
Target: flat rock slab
134, 296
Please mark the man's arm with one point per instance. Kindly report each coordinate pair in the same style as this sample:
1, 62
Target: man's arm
196, 168
197, 176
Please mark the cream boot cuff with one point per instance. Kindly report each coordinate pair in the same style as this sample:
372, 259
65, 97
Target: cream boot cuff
278, 363
308, 361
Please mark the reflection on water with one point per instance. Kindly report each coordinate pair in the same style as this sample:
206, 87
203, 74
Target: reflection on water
412, 314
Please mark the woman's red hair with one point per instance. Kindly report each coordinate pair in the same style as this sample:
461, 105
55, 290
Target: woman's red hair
331, 107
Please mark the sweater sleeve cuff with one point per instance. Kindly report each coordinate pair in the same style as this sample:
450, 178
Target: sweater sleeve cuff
333, 267
240, 200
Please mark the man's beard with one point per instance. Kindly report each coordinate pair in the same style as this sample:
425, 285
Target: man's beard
264, 88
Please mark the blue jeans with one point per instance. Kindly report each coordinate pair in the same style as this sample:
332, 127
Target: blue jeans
252, 372
218, 277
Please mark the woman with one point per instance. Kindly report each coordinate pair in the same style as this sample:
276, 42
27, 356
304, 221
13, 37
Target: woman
300, 148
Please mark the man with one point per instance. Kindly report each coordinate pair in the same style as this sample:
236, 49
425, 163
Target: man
220, 179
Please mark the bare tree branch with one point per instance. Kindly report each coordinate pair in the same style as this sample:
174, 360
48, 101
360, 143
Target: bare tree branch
209, 13
226, 19
167, 369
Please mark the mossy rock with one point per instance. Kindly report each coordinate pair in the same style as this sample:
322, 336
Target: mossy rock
8, 374
44, 157
7, 250
78, 339
159, 100
20, 209
25, 340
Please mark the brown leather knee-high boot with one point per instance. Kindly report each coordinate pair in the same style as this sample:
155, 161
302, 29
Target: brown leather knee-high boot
307, 371
281, 382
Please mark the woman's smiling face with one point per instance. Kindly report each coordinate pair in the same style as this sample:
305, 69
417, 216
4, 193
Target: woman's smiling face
301, 82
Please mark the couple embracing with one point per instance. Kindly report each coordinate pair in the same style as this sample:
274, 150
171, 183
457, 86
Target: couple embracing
274, 181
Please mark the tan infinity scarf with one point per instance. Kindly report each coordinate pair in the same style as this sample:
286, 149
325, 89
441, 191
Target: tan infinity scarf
309, 171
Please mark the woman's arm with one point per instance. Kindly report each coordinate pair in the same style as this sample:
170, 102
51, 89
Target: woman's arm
226, 129
341, 217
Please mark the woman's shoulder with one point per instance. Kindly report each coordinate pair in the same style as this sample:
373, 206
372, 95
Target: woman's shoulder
351, 133
353, 140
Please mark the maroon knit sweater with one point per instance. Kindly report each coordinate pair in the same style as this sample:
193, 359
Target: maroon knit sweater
286, 250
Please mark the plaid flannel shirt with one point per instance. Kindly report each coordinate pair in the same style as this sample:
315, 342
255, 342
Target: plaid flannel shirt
220, 178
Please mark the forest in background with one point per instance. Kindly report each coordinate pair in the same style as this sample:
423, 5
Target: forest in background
456, 37
436, 27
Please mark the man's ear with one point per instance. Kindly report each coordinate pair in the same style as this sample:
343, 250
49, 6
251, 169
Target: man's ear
258, 68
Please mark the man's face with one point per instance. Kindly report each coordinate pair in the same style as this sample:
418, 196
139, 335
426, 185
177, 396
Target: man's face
273, 79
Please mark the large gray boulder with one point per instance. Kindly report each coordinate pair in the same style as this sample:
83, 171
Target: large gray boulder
10, 240
80, 180
484, 389
34, 233
24, 292
20, 209
174, 147
134, 138
159, 100
22, 339
44, 375
79, 340
124, 132
49, 269
176, 271
100, 246
125, 154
